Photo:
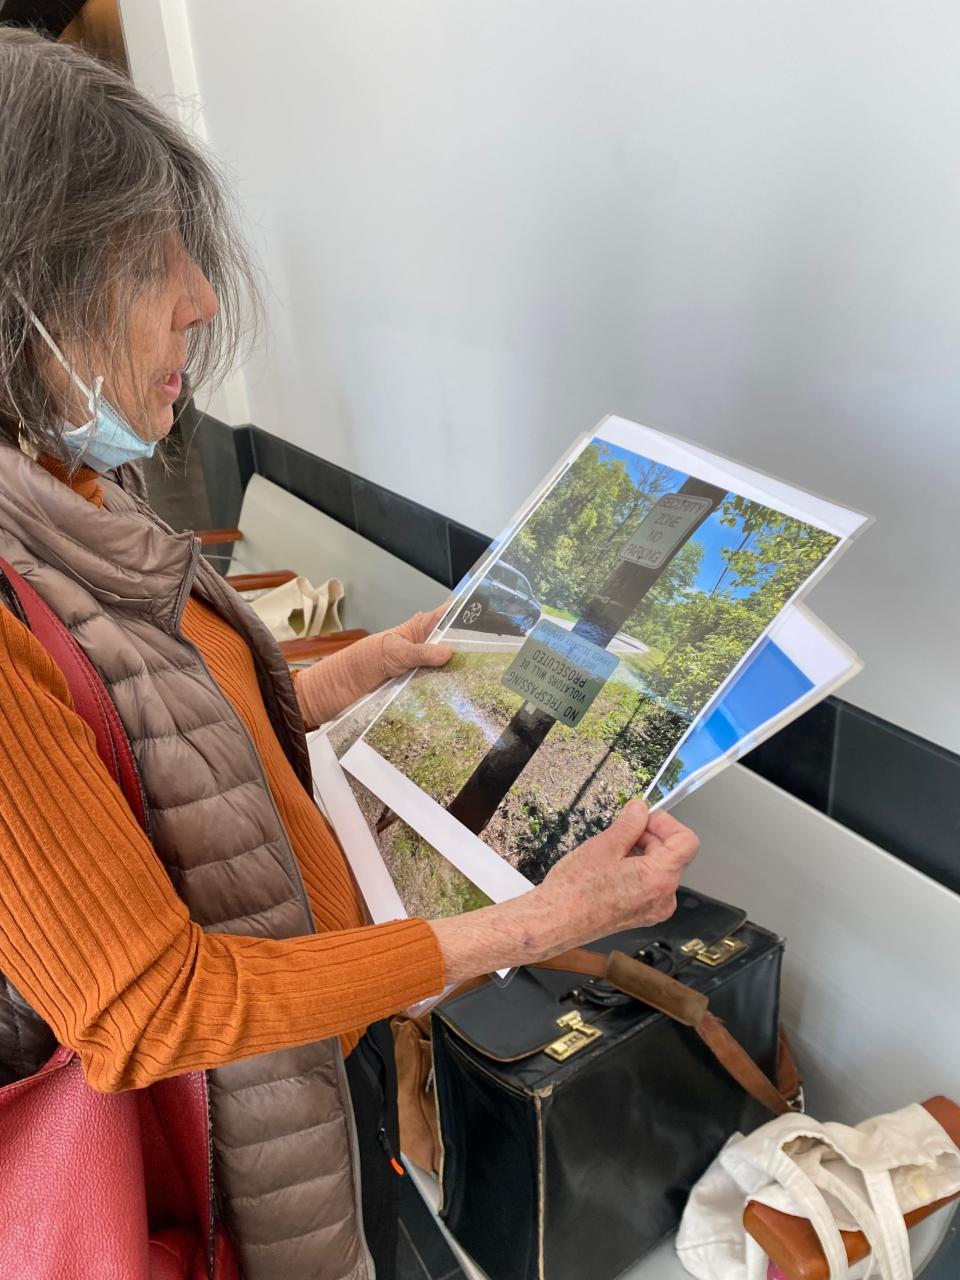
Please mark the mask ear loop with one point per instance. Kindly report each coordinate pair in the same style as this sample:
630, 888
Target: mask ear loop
93, 397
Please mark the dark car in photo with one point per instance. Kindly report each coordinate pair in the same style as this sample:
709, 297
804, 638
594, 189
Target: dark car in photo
503, 602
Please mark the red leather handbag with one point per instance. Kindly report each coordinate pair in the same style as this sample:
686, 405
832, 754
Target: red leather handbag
112, 1186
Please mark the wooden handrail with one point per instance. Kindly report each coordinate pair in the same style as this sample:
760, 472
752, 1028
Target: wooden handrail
314, 647
259, 581
215, 537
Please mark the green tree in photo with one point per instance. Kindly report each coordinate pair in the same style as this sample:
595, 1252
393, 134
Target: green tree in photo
703, 635
702, 638
695, 636
652, 622
572, 542
776, 556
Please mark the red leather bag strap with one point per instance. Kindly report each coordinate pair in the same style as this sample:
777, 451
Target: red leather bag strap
90, 698
180, 1102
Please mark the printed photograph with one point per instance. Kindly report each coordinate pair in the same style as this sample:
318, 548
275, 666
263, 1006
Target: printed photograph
610, 619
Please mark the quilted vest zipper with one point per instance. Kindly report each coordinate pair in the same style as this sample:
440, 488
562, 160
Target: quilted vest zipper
379, 1082
297, 877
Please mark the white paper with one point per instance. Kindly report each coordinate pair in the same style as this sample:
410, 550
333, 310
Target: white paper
333, 794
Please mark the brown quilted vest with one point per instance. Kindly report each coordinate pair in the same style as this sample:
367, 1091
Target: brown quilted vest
286, 1165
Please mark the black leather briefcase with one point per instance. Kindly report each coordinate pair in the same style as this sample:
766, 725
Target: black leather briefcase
575, 1119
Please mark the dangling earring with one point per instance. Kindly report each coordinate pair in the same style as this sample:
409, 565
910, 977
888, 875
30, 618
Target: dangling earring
27, 447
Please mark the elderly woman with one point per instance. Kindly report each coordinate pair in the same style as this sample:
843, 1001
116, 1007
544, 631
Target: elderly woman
232, 941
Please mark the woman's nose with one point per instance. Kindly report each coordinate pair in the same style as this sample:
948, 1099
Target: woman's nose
198, 303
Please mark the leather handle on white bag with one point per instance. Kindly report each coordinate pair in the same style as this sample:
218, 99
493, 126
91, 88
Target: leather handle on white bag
792, 1243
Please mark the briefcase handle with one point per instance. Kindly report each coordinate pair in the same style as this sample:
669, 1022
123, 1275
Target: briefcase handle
692, 1009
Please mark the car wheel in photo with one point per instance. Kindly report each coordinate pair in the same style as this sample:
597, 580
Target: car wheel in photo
472, 614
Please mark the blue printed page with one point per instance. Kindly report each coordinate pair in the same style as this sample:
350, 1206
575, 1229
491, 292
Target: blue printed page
795, 666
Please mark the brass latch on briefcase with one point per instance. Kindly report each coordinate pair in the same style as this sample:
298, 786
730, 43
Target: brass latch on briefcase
578, 1034
716, 954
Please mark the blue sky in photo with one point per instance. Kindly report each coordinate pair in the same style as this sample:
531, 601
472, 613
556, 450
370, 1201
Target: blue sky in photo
713, 536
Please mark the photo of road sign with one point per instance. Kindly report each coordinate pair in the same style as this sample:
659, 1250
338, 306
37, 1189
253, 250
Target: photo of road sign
559, 673
664, 528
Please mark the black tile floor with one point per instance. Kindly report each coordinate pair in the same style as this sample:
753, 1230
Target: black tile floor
178, 494
423, 1253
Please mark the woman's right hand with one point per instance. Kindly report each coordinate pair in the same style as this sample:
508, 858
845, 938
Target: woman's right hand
624, 877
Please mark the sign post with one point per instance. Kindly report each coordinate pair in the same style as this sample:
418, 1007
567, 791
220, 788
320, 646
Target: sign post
559, 678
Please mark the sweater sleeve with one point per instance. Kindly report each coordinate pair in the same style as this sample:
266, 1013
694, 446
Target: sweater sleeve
94, 935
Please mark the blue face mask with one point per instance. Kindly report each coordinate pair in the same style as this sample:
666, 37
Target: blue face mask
106, 440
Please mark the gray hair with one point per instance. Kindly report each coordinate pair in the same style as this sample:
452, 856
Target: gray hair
93, 181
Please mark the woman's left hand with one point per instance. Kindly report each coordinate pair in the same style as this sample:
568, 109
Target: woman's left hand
332, 684
405, 647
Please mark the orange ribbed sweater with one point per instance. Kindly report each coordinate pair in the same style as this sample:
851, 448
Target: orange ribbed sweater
94, 936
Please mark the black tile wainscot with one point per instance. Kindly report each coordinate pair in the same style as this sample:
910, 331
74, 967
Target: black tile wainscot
412, 532
891, 786
899, 791
441, 548
800, 757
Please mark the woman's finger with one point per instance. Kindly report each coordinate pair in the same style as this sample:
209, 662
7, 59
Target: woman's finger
669, 840
401, 655
433, 617
429, 655
430, 620
417, 628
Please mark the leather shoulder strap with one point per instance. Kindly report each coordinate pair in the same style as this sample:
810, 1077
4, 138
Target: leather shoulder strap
90, 698
691, 1008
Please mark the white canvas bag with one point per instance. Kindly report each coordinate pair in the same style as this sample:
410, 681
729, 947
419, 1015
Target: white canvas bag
841, 1178
297, 610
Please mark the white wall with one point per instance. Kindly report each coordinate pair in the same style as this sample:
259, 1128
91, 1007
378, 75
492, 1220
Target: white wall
488, 223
